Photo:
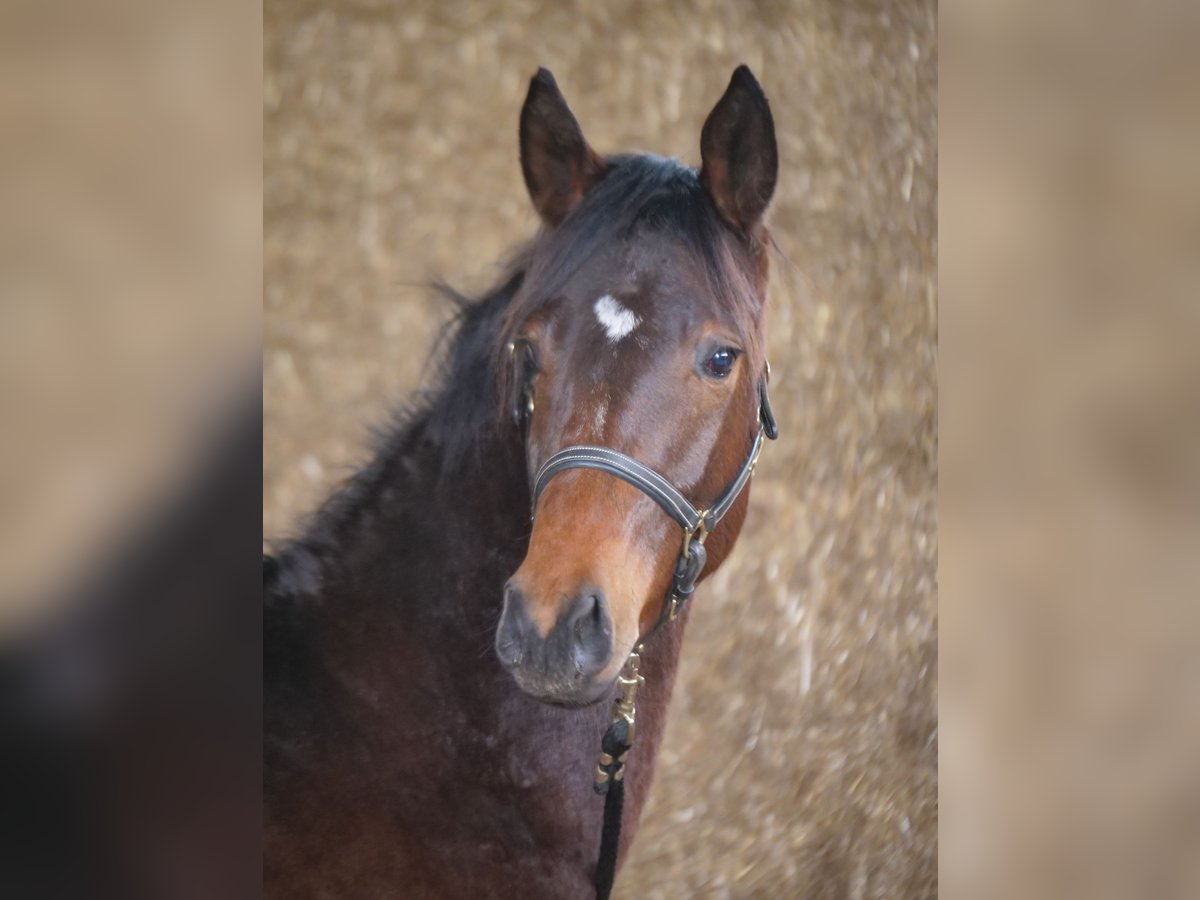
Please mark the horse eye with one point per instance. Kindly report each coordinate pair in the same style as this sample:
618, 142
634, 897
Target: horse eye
529, 359
720, 364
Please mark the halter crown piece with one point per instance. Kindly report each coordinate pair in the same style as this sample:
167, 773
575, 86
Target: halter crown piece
696, 523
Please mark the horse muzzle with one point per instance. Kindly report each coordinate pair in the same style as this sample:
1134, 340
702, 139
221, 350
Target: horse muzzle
560, 665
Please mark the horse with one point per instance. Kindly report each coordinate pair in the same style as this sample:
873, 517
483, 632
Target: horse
437, 662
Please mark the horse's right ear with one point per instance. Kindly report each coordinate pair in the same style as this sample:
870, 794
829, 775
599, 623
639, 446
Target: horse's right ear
558, 164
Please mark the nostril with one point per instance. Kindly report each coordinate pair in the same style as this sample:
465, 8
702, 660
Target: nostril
591, 633
586, 614
508, 643
511, 630
587, 607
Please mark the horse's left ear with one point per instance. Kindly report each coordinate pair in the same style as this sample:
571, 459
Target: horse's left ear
558, 164
740, 159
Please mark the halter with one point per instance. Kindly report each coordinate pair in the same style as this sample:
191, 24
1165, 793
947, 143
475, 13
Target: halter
697, 523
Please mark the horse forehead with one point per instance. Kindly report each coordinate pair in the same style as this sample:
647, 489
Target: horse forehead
647, 274
618, 324
633, 305
642, 304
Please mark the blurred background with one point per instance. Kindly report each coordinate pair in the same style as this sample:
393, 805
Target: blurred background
130, 261
801, 754
130, 298
1070, 450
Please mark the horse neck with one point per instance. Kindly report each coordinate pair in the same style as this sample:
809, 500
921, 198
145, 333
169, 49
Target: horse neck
424, 548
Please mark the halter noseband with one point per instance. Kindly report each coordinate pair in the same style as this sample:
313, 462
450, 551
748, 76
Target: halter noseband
696, 524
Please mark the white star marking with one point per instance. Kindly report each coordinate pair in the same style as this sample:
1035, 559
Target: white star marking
616, 319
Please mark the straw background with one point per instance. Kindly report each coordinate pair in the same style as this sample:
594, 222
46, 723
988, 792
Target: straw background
801, 755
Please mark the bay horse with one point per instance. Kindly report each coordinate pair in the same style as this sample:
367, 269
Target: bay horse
436, 666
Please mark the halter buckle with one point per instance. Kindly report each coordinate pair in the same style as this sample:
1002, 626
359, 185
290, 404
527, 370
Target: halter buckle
699, 534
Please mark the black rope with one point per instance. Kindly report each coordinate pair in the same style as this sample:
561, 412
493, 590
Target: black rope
618, 737
610, 781
610, 839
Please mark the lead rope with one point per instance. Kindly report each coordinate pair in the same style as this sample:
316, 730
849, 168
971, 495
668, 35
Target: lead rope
610, 770
618, 737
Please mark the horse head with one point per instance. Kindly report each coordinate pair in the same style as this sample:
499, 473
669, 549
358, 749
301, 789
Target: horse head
638, 327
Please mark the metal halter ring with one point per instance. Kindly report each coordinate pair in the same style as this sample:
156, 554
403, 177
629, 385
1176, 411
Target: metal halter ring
699, 533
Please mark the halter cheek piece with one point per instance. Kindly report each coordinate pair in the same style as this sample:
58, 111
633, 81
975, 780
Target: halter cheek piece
696, 523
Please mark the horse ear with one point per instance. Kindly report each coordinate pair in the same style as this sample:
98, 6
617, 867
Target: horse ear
737, 146
558, 164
